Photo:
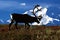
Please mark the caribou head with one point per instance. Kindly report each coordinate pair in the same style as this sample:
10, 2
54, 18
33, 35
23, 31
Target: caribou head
36, 9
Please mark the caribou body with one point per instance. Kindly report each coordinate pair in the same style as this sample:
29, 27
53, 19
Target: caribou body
23, 18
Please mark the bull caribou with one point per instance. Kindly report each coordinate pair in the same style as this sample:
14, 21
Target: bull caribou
23, 18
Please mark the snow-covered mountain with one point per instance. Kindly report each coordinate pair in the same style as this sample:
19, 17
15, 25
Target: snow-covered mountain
51, 16
47, 18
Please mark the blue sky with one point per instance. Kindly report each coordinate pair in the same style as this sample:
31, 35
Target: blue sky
20, 6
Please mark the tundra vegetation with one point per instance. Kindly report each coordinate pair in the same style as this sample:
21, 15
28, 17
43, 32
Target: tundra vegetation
33, 33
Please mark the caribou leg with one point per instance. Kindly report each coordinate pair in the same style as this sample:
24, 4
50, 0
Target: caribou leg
16, 25
10, 24
25, 25
28, 26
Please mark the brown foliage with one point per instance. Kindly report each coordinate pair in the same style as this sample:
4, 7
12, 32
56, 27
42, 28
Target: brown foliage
34, 33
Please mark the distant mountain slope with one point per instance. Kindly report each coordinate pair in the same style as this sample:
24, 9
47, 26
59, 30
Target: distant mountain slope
51, 16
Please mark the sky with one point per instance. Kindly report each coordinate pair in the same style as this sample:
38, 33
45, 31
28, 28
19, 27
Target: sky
8, 7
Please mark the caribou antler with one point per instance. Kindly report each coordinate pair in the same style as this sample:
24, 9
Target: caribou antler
36, 6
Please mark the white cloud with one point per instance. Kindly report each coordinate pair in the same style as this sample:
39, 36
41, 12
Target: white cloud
8, 5
59, 15
58, 7
26, 12
52, 13
45, 5
9, 21
22, 4
29, 13
31, 10
1, 21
